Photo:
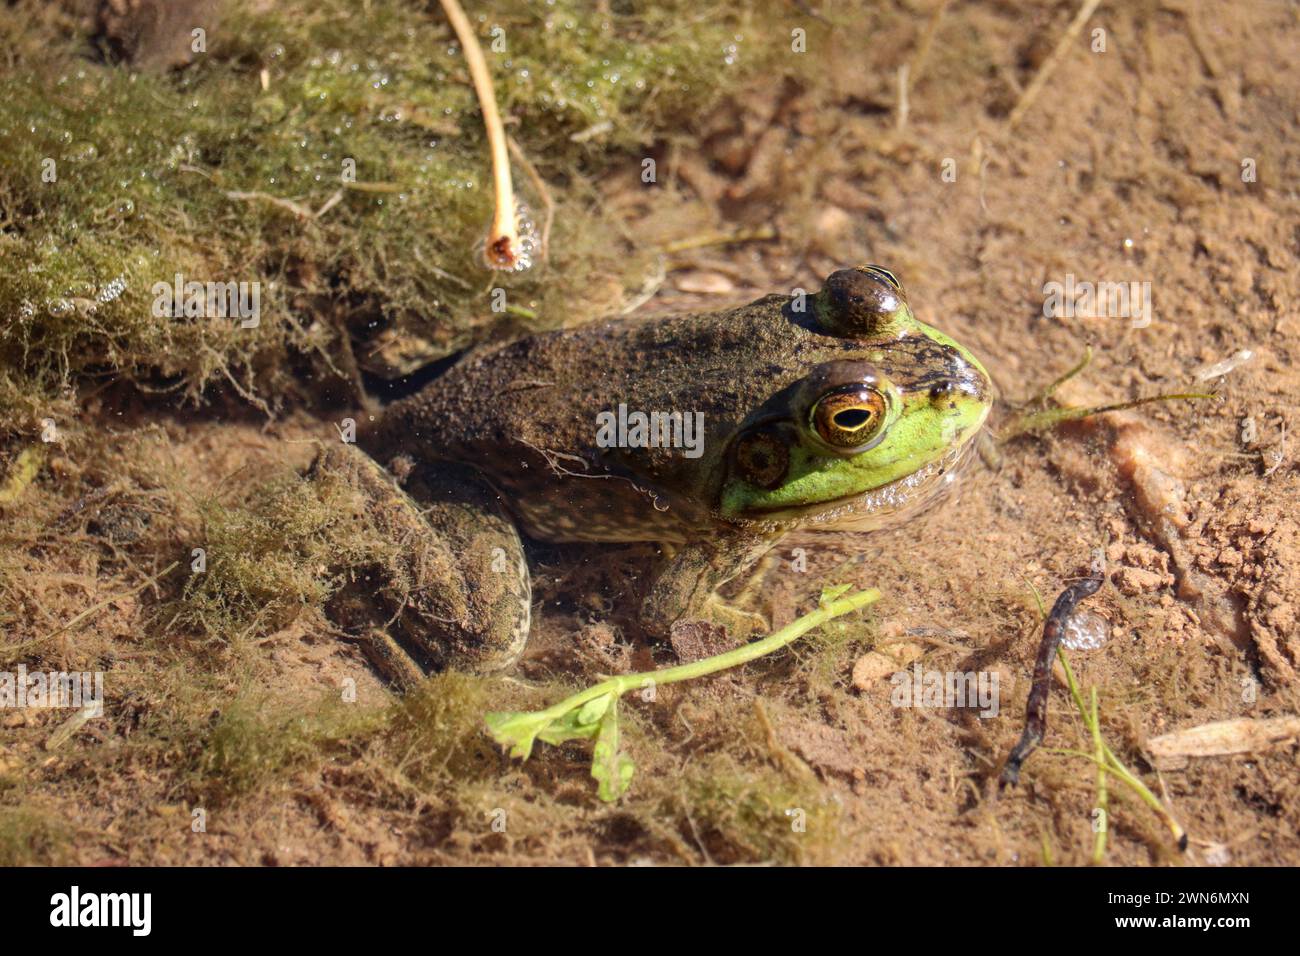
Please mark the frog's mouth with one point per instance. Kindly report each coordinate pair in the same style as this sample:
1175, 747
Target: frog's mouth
872, 510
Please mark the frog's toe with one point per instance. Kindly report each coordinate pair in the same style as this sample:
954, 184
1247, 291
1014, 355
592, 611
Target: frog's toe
686, 587
442, 586
735, 623
740, 623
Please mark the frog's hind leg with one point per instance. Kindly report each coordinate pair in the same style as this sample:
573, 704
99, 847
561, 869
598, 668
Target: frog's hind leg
443, 584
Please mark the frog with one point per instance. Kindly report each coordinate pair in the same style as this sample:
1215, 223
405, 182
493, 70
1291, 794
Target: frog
711, 436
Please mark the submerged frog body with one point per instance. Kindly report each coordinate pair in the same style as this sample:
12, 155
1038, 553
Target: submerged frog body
828, 412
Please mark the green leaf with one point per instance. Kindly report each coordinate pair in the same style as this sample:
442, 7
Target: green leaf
516, 730
569, 727
593, 710
611, 770
829, 594
519, 730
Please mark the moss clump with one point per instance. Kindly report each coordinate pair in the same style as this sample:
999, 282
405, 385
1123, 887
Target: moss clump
435, 732
430, 737
257, 741
276, 553
736, 812
113, 180
30, 837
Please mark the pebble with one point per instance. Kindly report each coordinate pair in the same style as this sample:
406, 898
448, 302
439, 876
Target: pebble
704, 283
873, 666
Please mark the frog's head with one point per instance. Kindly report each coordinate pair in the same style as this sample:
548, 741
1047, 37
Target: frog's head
883, 410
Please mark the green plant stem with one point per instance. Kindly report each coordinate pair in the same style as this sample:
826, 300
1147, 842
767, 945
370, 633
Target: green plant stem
1099, 749
1049, 418
1111, 763
710, 665
1050, 390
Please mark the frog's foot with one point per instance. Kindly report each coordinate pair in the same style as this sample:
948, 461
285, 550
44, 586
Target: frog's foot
720, 628
685, 589
741, 624
443, 586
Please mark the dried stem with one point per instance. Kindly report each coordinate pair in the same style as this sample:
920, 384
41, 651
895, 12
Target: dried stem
1049, 66
503, 249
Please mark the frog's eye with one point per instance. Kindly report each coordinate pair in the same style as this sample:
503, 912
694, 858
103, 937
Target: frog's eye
862, 303
885, 274
849, 417
762, 459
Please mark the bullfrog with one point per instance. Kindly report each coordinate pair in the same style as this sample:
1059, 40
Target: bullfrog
711, 435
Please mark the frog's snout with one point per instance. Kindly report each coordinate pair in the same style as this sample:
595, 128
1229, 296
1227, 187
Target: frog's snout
862, 303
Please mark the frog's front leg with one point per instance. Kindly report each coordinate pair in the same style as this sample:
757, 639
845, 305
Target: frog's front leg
686, 587
452, 591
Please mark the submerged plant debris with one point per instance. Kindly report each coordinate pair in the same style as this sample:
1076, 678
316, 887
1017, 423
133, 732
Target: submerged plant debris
341, 167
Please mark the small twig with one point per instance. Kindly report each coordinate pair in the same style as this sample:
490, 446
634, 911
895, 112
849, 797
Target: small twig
68, 729
900, 118
1050, 64
503, 249
591, 132
11, 652
362, 186
329, 204
302, 212
243, 392
761, 234
1036, 708
918, 64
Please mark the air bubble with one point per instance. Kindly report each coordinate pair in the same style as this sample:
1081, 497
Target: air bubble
1084, 631
113, 290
